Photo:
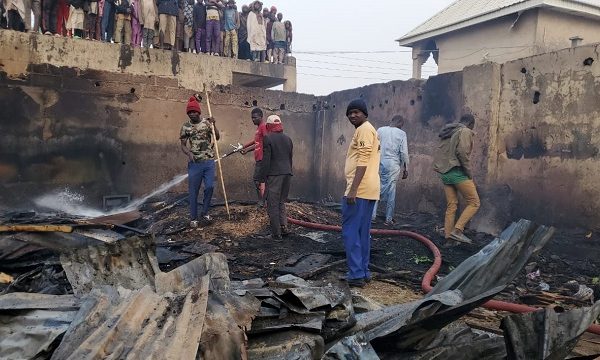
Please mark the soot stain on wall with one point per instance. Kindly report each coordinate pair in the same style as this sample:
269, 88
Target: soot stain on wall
18, 111
527, 147
125, 56
441, 95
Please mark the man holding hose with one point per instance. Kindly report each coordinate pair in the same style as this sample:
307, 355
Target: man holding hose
197, 143
256, 145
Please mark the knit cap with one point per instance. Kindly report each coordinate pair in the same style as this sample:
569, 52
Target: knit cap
193, 105
357, 104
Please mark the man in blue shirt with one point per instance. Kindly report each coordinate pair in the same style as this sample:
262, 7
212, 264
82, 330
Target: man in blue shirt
394, 158
232, 24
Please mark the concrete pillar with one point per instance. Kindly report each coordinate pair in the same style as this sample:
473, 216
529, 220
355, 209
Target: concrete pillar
290, 75
419, 57
290, 84
319, 171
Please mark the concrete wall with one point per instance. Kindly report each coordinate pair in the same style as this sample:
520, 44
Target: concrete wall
191, 71
548, 150
501, 40
101, 133
427, 107
513, 37
555, 28
536, 149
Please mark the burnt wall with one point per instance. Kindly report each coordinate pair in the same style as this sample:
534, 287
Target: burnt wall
102, 133
113, 132
548, 136
427, 106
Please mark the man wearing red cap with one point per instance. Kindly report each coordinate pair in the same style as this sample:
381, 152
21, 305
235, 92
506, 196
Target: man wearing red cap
197, 144
276, 171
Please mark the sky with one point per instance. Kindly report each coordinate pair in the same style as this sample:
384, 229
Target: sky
342, 26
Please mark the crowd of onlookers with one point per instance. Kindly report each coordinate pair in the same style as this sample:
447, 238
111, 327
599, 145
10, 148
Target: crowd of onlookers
214, 27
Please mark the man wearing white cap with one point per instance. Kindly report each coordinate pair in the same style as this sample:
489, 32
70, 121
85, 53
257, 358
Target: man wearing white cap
276, 171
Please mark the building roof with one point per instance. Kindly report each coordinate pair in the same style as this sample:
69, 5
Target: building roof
464, 13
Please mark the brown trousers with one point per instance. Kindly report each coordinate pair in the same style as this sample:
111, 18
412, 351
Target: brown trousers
468, 191
123, 30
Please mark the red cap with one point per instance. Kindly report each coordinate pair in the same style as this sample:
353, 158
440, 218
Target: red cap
193, 105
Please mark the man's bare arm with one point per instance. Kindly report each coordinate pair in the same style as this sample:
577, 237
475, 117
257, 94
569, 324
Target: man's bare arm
186, 150
358, 176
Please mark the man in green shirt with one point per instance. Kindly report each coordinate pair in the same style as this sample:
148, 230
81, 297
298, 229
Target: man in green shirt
452, 162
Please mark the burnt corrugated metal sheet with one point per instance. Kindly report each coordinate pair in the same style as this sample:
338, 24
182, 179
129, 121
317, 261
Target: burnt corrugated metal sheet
138, 325
31, 323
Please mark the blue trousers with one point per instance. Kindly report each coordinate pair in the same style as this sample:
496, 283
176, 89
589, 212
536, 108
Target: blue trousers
356, 225
108, 22
198, 172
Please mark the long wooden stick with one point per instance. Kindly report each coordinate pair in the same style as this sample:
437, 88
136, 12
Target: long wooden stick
214, 134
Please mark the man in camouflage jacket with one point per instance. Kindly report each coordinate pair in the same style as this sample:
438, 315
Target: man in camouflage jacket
197, 143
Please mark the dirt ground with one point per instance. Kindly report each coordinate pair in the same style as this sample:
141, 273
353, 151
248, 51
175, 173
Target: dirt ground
571, 254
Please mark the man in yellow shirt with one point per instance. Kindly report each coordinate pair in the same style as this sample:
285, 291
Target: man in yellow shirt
362, 191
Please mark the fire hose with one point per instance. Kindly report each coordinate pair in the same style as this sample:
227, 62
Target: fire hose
435, 267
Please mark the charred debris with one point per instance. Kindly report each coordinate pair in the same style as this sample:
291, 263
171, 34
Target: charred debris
141, 285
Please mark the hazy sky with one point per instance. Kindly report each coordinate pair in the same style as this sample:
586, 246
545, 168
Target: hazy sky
352, 25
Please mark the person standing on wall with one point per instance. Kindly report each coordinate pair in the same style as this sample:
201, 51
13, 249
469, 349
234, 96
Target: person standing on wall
197, 144
189, 45
269, 18
257, 32
278, 35
276, 172
213, 27
123, 29
168, 10
394, 158
362, 191
256, 145
288, 37
243, 45
200, 26
148, 17
36, 8
232, 24
136, 23
452, 162
91, 19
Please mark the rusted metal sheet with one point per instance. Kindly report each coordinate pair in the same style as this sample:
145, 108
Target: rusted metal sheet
30, 334
546, 334
12, 249
130, 264
20, 301
213, 264
228, 318
36, 228
115, 219
139, 325
303, 266
292, 344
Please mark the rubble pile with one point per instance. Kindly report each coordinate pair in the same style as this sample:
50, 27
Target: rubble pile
99, 289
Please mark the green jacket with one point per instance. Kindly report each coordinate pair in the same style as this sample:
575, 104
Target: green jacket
454, 149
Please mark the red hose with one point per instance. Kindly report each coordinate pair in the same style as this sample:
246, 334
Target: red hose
435, 267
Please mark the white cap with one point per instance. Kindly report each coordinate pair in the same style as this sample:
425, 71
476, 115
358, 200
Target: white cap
273, 119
